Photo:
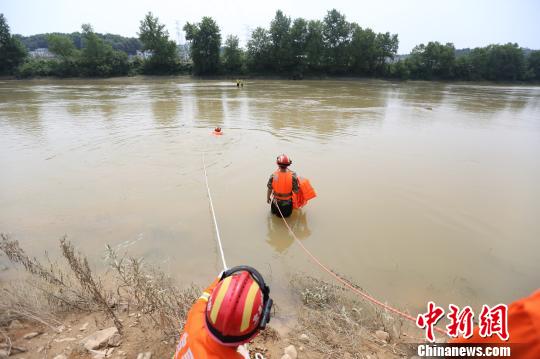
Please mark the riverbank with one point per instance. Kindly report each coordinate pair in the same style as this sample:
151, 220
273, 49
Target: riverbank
67, 311
233, 78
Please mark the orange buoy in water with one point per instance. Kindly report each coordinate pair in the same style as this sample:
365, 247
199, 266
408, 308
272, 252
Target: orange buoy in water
217, 131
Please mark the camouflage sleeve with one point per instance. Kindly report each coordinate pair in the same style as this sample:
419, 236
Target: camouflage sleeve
294, 183
269, 185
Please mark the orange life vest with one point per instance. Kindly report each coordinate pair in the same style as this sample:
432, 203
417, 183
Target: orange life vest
282, 185
195, 342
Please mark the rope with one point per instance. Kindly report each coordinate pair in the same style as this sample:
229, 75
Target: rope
218, 237
346, 283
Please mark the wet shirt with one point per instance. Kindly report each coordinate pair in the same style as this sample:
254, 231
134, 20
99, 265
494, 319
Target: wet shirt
294, 185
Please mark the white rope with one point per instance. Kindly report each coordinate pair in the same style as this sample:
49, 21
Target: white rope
214, 216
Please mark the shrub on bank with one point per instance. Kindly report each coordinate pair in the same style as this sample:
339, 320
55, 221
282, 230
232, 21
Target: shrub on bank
35, 68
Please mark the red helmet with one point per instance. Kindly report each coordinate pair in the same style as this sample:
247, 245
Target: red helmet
239, 306
283, 160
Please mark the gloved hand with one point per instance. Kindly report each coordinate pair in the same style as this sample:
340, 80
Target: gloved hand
243, 350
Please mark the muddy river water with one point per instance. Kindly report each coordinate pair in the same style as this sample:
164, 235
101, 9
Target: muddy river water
426, 191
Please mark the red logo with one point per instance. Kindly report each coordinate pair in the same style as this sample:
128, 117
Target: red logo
460, 322
429, 319
492, 321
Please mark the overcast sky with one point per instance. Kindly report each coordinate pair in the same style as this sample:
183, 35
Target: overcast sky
466, 23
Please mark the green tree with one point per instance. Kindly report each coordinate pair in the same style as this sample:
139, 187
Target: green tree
299, 40
205, 38
232, 55
259, 48
12, 51
337, 37
129, 45
386, 49
315, 47
155, 39
498, 62
463, 68
363, 51
399, 70
281, 42
433, 60
61, 45
478, 58
505, 62
98, 58
534, 64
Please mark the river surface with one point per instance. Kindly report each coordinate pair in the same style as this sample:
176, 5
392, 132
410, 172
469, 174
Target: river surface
426, 191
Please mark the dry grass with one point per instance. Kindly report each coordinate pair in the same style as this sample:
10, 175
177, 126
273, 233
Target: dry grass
340, 325
55, 288
151, 292
80, 268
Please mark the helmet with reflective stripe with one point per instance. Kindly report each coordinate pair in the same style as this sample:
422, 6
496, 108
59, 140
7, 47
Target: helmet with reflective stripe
283, 160
238, 307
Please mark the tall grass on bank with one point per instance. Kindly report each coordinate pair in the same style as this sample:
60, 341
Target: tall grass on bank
54, 288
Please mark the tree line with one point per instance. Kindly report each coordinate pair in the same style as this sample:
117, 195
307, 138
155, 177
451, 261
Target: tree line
130, 45
291, 48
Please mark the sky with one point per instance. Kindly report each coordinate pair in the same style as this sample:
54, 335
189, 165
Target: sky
469, 23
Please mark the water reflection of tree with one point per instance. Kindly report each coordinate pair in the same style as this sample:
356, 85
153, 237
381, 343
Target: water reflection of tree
489, 99
165, 105
421, 94
278, 236
325, 109
209, 105
22, 109
84, 99
232, 105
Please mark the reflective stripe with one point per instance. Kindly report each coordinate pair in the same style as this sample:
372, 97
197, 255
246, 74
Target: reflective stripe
248, 306
188, 355
205, 296
283, 196
182, 342
219, 299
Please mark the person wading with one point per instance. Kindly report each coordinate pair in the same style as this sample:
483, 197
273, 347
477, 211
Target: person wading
229, 313
282, 183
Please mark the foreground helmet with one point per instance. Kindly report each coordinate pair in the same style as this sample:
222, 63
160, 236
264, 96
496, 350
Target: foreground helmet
239, 306
283, 160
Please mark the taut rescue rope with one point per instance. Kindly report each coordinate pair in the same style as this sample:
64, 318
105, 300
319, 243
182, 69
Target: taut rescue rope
218, 237
346, 283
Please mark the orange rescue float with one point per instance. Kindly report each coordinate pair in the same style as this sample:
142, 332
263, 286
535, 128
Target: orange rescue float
305, 193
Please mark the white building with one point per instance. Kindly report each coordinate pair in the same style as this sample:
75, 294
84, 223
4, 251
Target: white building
42, 53
144, 54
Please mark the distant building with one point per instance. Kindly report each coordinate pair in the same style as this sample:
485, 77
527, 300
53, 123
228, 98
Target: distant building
144, 54
42, 53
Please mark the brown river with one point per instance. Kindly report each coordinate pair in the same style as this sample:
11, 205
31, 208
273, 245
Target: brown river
426, 191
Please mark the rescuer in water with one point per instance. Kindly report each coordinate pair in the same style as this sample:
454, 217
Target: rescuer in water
282, 184
229, 313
